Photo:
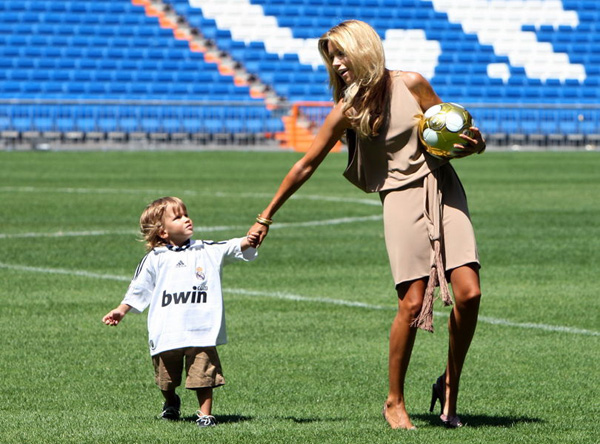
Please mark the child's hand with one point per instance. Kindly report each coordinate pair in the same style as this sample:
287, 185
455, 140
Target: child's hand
253, 239
260, 230
113, 317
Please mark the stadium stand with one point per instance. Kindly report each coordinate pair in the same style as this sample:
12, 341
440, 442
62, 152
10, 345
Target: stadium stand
73, 69
122, 70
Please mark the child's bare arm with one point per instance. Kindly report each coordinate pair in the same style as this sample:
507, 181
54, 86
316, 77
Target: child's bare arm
115, 316
251, 240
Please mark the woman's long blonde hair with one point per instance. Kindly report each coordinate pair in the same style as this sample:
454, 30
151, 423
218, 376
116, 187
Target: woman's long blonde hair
364, 99
152, 220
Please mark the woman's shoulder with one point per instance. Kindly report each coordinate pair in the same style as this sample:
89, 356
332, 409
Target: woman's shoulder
337, 115
411, 79
420, 88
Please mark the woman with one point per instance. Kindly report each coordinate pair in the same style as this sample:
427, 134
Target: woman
428, 233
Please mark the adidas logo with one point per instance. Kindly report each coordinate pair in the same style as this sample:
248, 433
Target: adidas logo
180, 264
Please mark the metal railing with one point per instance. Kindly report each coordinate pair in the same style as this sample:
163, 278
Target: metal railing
220, 122
236, 123
538, 124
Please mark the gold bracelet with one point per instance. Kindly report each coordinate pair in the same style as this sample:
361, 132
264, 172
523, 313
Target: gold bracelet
263, 220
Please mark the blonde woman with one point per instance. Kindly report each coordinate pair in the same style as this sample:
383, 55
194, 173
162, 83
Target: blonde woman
427, 244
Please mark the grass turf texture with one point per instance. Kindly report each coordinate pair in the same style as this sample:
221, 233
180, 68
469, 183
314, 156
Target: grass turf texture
297, 370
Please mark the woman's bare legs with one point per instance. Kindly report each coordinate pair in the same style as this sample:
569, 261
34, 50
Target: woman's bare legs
402, 339
462, 323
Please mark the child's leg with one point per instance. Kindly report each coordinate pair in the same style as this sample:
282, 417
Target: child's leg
167, 370
171, 397
172, 405
205, 397
203, 373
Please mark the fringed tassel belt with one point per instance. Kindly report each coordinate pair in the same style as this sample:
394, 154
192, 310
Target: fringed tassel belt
437, 273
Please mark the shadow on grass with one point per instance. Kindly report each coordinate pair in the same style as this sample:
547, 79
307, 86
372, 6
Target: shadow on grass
481, 420
232, 419
309, 420
221, 419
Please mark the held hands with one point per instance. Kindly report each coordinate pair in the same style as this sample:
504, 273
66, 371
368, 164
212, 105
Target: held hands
475, 143
253, 239
260, 228
260, 231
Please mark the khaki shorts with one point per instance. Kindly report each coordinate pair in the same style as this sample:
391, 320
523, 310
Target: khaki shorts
202, 367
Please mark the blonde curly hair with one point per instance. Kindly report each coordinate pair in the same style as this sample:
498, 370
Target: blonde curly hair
152, 220
366, 98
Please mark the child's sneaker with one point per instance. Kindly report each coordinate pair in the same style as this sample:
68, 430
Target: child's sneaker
171, 412
205, 420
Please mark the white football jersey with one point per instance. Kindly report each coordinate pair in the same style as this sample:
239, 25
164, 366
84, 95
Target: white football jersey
182, 286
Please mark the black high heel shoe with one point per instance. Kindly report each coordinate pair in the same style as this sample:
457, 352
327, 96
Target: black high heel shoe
451, 422
438, 391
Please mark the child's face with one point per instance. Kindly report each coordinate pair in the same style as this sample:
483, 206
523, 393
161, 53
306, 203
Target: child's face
177, 226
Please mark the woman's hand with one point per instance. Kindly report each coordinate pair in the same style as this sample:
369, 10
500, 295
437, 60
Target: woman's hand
475, 143
259, 229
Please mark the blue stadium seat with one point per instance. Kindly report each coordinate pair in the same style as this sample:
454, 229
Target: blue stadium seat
212, 125
5, 121
112, 50
22, 123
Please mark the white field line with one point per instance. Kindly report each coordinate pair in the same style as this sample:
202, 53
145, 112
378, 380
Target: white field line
299, 298
370, 202
67, 234
338, 221
200, 230
362, 201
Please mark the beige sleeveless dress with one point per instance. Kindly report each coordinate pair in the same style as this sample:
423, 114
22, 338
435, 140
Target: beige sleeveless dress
427, 226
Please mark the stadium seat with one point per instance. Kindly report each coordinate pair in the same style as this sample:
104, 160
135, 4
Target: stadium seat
112, 50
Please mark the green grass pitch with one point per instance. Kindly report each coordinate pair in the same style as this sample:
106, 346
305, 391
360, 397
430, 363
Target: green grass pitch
308, 321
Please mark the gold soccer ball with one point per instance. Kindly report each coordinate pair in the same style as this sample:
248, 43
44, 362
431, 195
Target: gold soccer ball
441, 126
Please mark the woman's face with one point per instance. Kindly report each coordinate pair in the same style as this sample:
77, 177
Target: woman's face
340, 63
